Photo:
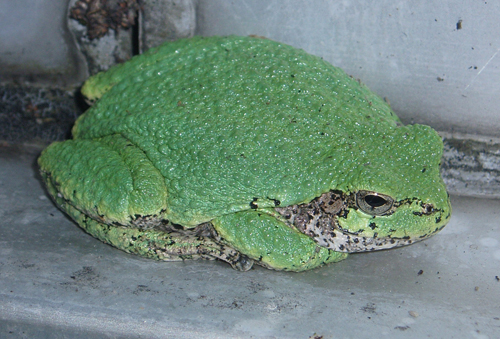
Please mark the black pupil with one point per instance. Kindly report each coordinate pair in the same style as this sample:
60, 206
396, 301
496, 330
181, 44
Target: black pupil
375, 201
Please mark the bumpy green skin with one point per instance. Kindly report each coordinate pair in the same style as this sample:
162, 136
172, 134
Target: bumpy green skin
284, 250
221, 129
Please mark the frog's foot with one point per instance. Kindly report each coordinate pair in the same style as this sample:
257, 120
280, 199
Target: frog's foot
243, 263
208, 245
264, 236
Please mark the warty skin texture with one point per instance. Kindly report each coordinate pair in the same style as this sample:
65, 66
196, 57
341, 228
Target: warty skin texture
225, 129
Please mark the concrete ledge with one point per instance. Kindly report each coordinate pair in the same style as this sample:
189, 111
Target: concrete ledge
471, 165
58, 281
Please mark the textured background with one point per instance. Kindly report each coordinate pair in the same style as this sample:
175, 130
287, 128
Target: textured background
437, 63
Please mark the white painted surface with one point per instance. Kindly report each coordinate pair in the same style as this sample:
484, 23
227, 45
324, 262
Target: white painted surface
34, 40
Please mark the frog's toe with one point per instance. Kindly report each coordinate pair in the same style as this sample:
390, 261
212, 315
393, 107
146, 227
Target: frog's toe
242, 263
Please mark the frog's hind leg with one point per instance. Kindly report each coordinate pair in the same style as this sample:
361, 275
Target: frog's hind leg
162, 243
113, 191
108, 178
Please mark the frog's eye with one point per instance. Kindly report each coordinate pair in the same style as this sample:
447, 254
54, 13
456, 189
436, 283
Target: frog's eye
373, 203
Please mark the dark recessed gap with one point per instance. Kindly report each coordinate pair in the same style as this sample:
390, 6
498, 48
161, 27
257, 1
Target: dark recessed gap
135, 35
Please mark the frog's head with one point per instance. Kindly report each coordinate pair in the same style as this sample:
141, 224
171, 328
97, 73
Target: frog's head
399, 196
395, 196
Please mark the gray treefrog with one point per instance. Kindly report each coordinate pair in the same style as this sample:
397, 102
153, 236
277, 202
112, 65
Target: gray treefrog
245, 150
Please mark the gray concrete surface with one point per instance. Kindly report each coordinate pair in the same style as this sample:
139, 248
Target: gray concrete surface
165, 20
58, 282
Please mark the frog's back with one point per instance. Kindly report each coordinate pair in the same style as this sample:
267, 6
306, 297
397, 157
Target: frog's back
237, 122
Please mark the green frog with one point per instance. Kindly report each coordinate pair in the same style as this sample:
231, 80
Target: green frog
245, 150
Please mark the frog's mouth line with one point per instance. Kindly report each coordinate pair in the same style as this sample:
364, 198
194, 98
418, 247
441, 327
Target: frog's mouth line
319, 220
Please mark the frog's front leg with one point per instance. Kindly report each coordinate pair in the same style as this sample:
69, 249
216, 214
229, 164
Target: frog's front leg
265, 237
